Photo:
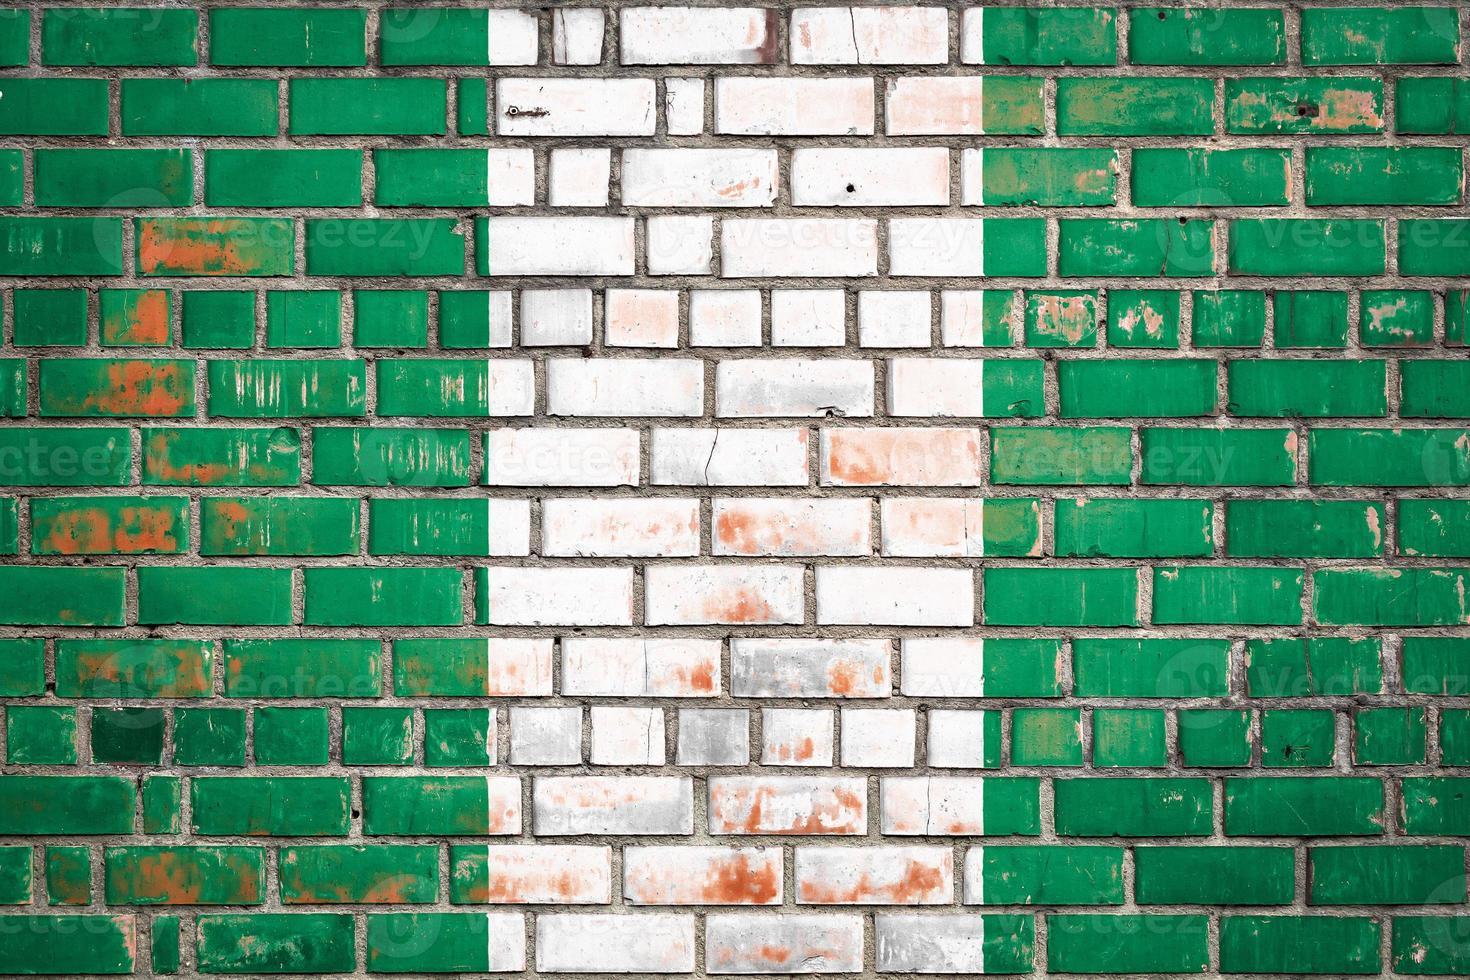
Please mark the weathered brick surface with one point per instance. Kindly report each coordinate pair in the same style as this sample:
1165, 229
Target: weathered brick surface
778, 489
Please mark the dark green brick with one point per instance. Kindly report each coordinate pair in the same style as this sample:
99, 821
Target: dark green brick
1404, 874
302, 668
308, 318
1130, 944
222, 457
68, 944
1143, 318
1306, 247
1128, 738
15, 871
383, 597
1437, 805
41, 735
1047, 177
360, 873
15, 37
1429, 945
1021, 596
219, 318
455, 737
1215, 738
209, 736
22, 668
217, 595
1061, 318
1132, 388
1436, 665
1316, 667
283, 178
1045, 875
1389, 737
1117, 806
430, 527
1434, 247
377, 736
384, 247
278, 526
390, 318
1046, 737
280, 388
1396, 318
1303, 806
1135, 106
1435, 389
381, 457
120, 36
1275, 387
60, 246
114, 178
127, 736
1380, 36
1201, 36
1227, 594
1434, 104
1219, 457
49, 595
276, 943
1391, 596
53, 107
1123, 528
1388, 457
1152, 668
1434, 528
1298, 738
291, 736
1229, 318
1148, 247
163, 804
1304, 529
279, 806
199, 107
367, 106
1298, 944
1057, 36
1368, 175
1213, 875
134, 668
251, 37
431, 178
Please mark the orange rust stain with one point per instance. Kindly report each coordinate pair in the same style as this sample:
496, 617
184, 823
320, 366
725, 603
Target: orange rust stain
842, 677
737, 605
919, 882
1068, 317
143, 321
701, 678
736, 530
207, 247
91, 531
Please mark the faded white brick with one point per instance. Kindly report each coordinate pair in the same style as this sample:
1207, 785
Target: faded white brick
797, 736
627, 736
783, 942
698, 178
931, 527
561, 457
619, 527
545, 736
520, 596
936, 246
878, 737
729, 457
876, 875
687, 595
687, 667
575, 106
576, 35
790, 527
794, 388
936, 387
759, 106
641, 318
810, 668
808, 318
725, 317
930, 806
894, 318
579, 176
601, 942
869, 176
558, 246
609, 386
869, 36
555, 317
713, 737
698, 35
798, 247
684, 106
947, 943
680, 245
622, 805
895, 596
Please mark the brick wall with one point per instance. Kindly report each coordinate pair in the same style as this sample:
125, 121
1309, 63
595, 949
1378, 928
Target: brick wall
798, 489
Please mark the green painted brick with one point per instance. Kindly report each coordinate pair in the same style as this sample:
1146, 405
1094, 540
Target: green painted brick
1135, 247
435, 388
117, 388
217, 595
1434, 104
215, 246
390, 318
1391, 596
401, 526
276, 943
1436, 805
12, 171
383, 597
381, 457
1143, 318
109, 525
60, 246
1389, 737
279, 806
433, 178
302, 668
1335, 105
1130, 944
164, 953
1265, 388
9, 526
1306, 247
1434, 528
15, 37
1433, 247
1227, 594
1213, 875
74, 944
277, 388
134, 317
1380, 36
1047, 177
128, 736
1203, 177
473, 118
463, 942
1061, 319
162, 804
314, 37
1058, 36
1135, 106
291, 736
68, 876
1128, 738
1404, 874
114, 178
13, 377
70, 457
1298, 738
134, 668
436, 36
1046, 737
1429, 945
62, 596
1151, 668
367, 106
1304, 529
1200, 36
209, 737
1303, 806
52, 805
1142, 387
1310, 318
1214, 738
1095, 527
1298, 944
41, 735
377, 736
1389, 457
283, 178
1436, 665
458, 737
1024, 596
278, 526
384, 247
199, 107
1396, 318
120, 36
1369, 175
1313, 667
1229, 318
53, 107
1118, 806
221, 457
49, 317
432, 805
1044, 875
307, 318
219, 318
332, 874
22, 668
1014, 247
15, 875
1060, 455
1218, 457
184, 875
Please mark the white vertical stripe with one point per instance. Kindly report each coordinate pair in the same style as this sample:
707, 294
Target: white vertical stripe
981, 258
982, 415
981, 644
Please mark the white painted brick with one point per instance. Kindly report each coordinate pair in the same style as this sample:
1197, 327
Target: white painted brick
696, 178
869, 176
520, 596
947, 943
729, 457
627, 736
808, 318
512, 388
869, 36
601, 942
972, 36
575, 106
936, 247
943, 667
895, 596
936, 387
608, 387
784, 943
805, 804
962, 317
576, 35
933, 527
640, 667
876, 875
513, 34
810, 668
574, 805
724, 317
561, 457
680, 245
713, 737
699, 35
641, 318
619, 527
509, 524
559, 246
511, 176
930, 806
794, 388
935, 105
580, 176
691, 595
664, 875
684, 106
546, 874
878, 737
798, 247
910, 456
790, 527
552, 317
545, 736
894, 318
757, 106
797, 736
956, 738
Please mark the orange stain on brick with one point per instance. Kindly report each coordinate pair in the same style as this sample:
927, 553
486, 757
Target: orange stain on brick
144, 320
